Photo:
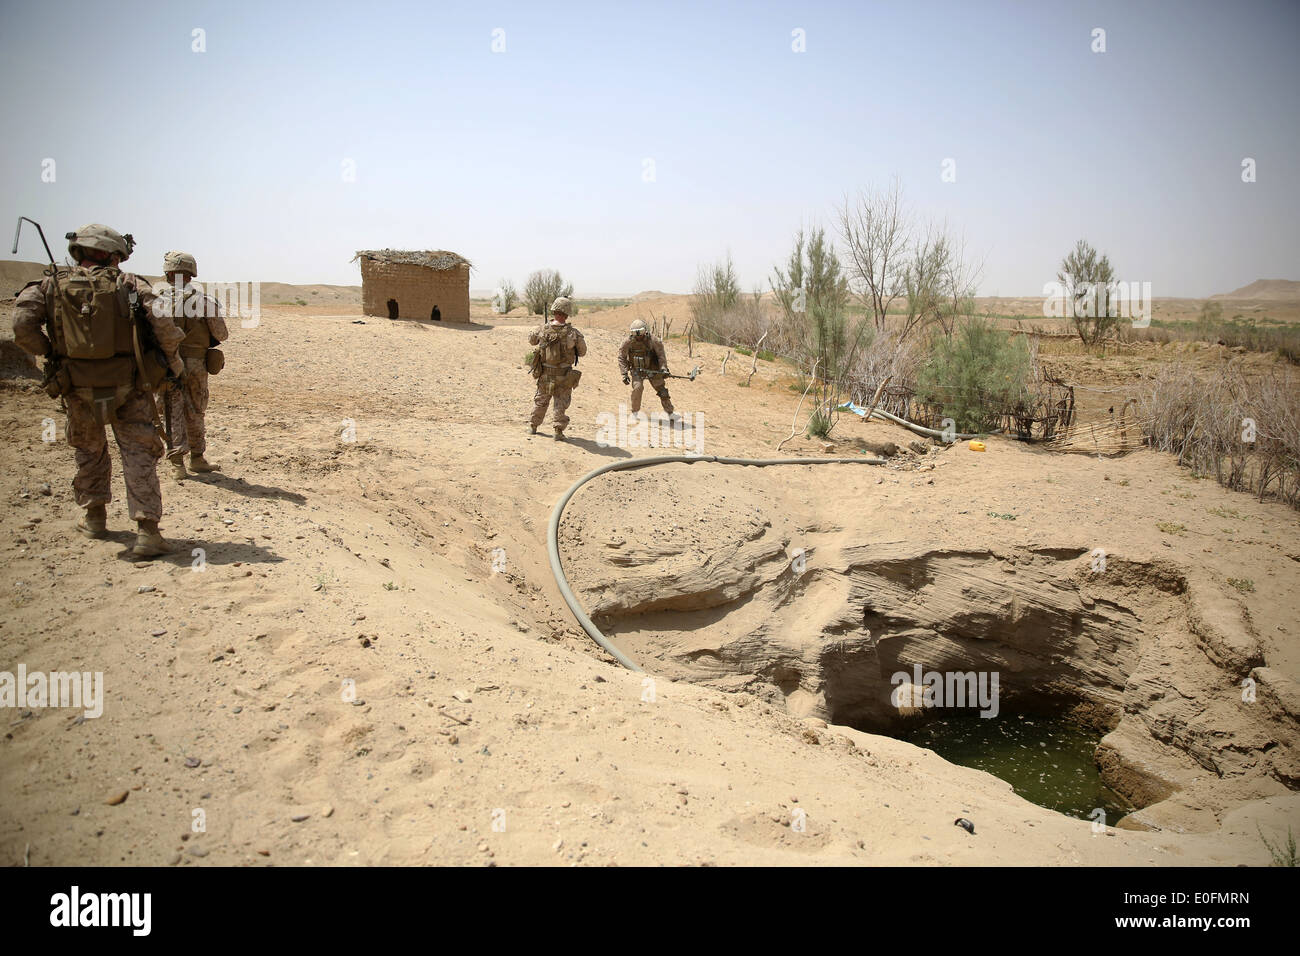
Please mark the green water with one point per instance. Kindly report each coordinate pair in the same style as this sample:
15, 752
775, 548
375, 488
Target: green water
1047, 760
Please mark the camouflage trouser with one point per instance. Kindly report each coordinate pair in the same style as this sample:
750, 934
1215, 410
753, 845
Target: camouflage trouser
548, 391
188, 406
138, 444
657, 383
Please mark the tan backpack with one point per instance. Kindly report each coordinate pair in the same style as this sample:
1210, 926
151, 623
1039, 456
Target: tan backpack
93, 327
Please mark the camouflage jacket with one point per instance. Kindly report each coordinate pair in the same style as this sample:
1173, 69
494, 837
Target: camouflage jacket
560, 345
198, 316
640, 355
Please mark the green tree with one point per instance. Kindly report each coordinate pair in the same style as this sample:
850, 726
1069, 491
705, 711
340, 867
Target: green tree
505, 298
542, 288
1086, 277
975, 374
813, 269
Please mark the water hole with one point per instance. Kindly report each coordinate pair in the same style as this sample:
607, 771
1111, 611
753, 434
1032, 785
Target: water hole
1047, 760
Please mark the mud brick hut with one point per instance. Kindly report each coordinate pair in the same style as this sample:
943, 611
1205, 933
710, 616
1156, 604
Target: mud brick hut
409, 284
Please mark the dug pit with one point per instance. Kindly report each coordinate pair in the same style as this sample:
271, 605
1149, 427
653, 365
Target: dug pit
1113, 658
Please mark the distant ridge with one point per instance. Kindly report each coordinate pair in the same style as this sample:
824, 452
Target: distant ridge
1272, 290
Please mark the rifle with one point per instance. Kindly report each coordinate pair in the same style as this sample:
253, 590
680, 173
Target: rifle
52, 367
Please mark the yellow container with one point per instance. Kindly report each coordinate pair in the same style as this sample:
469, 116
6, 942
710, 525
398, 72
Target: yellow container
976, 445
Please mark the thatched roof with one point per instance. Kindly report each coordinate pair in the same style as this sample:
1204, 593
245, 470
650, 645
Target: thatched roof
439, 259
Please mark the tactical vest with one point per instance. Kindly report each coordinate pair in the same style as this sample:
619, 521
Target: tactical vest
641, 355
92, 327
558, 346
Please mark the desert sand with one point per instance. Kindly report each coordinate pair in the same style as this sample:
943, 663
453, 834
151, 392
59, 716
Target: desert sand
330, 670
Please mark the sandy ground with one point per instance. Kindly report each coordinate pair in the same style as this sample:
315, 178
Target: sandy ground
330, 670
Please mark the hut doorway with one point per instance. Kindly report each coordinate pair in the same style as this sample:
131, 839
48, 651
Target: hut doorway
392, 308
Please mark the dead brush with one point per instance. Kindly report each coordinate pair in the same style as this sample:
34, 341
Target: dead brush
1243, 429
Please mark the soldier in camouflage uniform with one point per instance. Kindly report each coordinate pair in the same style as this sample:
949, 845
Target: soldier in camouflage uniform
199, 317
82, 318
642, 359
559, 346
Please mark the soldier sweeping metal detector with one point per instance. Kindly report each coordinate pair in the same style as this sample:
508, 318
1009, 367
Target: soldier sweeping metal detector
642, 358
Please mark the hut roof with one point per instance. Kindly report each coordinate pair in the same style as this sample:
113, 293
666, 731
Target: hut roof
438, 259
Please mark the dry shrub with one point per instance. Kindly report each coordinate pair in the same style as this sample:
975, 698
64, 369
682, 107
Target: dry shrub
1253, 335
1210, 425
889, 355
744, 323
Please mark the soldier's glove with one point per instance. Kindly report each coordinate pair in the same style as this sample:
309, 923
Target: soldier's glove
626, 380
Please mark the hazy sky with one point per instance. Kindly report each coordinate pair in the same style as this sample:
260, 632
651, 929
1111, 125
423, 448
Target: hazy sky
537, 156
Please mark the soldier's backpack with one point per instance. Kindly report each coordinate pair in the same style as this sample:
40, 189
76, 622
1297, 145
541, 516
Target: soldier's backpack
97, 335
93, 328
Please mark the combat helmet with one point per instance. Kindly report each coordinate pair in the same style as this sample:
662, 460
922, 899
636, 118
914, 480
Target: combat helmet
102, 239
638, 327
180, 262
563, 305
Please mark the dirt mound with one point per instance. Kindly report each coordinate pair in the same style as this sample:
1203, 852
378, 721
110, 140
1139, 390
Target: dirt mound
14, 275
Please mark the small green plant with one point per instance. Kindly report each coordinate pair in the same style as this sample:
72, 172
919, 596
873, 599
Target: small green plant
741, 350
1168, 527
766, 356
390, 586
1006, 517
819, 424
1244, 585
1226, 513
1283, 855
